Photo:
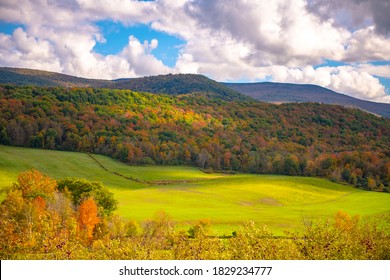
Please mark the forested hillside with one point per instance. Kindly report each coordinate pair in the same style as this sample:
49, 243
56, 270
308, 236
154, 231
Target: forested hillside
190, 83
25, 76
168, 84
198, 129
179, 84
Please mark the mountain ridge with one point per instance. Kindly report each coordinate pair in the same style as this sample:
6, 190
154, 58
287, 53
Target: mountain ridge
272, 92
177, 84
173, 84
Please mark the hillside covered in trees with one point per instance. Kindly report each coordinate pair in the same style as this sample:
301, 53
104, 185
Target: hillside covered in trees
167, 84
190, 83
309, 139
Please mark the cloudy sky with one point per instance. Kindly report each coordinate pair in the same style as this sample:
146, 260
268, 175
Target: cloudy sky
341, 45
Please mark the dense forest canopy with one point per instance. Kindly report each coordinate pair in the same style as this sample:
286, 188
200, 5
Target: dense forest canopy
201, 129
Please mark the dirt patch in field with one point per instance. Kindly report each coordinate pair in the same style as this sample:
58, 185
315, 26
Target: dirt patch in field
171, 182
267, 200
270, 201
246, 203
180, 188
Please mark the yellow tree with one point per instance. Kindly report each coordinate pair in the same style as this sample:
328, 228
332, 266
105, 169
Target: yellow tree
34, 216
33, 184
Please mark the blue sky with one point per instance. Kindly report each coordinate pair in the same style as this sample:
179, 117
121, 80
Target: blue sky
116, 38
341, 45
9, 27
386, 83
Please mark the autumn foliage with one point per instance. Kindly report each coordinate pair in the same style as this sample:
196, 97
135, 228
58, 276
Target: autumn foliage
306, 139
52, 227
87, 217
35, 217
34, 184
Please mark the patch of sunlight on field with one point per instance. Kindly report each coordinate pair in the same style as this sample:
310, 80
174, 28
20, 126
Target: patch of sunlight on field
276, 190
188, 194
232, 200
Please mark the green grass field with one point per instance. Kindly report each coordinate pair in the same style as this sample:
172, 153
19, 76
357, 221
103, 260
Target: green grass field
188, 194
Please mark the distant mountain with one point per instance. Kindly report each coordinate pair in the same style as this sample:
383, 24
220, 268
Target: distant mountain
167, 84
178, 84
21, 76
285, 93
191, 83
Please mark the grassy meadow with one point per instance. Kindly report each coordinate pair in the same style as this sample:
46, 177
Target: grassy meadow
188, 194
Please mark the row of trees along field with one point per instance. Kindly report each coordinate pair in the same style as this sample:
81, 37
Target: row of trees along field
345, 145
41, 218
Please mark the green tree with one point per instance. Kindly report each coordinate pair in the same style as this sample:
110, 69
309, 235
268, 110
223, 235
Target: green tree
80, 189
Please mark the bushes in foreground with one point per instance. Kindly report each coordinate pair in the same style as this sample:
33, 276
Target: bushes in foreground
37, 221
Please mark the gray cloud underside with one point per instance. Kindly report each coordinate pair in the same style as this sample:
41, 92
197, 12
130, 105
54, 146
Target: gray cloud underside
354, 13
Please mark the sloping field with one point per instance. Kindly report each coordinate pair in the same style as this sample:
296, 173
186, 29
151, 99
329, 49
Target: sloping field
188, 194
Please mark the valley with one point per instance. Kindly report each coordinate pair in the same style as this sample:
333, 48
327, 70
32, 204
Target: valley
183, 167
188, 194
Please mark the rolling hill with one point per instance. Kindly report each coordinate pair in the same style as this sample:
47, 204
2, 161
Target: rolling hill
22, 76
285, 93
178, 84
166, 84
190, 83
201, 130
